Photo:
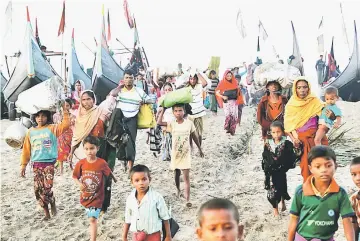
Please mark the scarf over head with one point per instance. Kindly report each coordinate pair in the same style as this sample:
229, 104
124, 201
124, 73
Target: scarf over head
298, 111
85, 121
75, 92
225, 85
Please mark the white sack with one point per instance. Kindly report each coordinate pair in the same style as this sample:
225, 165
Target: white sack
15, 134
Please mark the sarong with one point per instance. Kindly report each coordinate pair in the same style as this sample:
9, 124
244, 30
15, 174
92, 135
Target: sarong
167, 145
43, 183
128, 152
240, 109
307, 139
199, 125
64, 145
231, 116
298, 237
213, 103
155, 139
141, 236
108, 153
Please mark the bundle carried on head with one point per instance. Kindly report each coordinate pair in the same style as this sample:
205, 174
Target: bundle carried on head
274, 71
43, 96
180, 96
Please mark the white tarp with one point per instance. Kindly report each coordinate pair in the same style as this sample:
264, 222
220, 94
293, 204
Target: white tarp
43, 96
274, 71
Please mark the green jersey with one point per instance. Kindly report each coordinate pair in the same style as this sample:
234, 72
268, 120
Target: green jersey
318, 216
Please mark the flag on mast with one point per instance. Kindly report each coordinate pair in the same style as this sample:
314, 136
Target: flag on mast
240, 24
344, 29
297, 60
128, 15
109, 31
320, 37
262, 31
37, 33
62, 21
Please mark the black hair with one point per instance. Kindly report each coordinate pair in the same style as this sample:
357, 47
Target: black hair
91, 140
212, 72
321, 151
128, 72
178, 105
218, 204
273, 82
45, 112
139, 168
355, 161
238, 77
69, 101
331, 90
168, 84
277, 124
90, 94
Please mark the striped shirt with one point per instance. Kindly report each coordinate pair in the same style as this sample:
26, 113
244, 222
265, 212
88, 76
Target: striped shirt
129, 101
214, 85
197, 105
147, 215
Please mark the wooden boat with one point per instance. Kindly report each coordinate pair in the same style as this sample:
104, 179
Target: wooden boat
75, 71
32, 68
106, 72
348, 82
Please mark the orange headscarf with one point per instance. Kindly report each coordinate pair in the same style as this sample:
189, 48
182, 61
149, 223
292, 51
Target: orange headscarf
228, 85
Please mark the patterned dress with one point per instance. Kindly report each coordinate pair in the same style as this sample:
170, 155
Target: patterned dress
64, 141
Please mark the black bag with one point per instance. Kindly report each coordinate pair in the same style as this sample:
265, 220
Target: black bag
174, 228
231, 94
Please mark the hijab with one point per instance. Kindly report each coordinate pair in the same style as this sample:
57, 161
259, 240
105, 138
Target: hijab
225, 85
85, 120
75, 92
298, 111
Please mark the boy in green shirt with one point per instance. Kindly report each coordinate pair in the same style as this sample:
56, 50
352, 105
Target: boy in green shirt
319, 202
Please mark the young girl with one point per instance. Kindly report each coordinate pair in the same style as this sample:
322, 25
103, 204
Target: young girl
64, 141
279, 156
40, 145
181, 129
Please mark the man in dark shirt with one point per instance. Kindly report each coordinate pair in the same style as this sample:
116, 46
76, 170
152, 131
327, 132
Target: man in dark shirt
320, 66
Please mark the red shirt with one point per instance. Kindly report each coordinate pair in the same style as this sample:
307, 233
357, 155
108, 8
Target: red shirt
92, 176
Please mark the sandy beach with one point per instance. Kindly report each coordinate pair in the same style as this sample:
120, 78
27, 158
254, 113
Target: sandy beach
231, 169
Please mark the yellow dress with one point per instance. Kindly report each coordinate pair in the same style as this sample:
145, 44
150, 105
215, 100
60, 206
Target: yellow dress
180, 151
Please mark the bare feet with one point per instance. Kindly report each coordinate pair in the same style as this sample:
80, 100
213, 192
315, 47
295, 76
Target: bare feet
276, 212
47, 213
283, 206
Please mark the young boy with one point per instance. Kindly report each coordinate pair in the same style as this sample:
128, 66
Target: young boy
219, 220
325, 123
319, 202
89, 175
181, 129
354, 199
145, 210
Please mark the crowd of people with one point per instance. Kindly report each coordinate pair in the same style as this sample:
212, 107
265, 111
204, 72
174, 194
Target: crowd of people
293, 130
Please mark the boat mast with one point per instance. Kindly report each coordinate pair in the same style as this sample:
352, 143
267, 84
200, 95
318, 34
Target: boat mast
344, 29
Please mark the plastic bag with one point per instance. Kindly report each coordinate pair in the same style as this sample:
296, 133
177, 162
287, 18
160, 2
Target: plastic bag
43, 96
180, 96
14, 135
146, 118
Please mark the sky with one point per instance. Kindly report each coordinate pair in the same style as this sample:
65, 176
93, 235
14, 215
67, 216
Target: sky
189, 31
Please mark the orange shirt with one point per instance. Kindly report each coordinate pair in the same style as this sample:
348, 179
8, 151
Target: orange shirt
92, 176
274, 109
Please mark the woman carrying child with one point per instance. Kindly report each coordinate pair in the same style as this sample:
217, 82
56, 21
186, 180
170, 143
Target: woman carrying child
40, 146
279, 156
64, 141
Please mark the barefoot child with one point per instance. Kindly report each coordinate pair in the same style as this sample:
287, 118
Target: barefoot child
40, 145
89, 175
145, 211
319, 202
325, 123
279, 156
219, 220
354, 199
64, 141
181, 129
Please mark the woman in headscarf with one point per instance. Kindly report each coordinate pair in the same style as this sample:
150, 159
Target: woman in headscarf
90, 121
75, 95
301, 120
271, 108
229, 97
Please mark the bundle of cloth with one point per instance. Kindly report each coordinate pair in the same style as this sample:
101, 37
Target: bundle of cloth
274, 71
43, 96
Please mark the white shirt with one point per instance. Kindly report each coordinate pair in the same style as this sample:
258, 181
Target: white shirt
197, 105
149, 214
129, 101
